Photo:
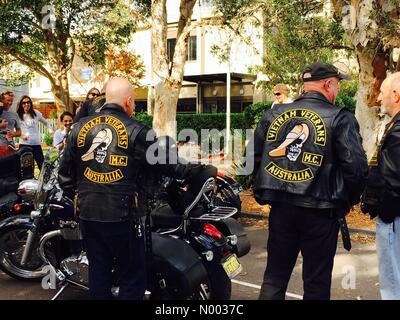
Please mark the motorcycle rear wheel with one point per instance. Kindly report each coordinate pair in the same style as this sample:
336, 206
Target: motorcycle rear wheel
12, 243
220, 283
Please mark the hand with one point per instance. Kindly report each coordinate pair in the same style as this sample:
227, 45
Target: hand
3, 124
24, 137
369, 209
10, 135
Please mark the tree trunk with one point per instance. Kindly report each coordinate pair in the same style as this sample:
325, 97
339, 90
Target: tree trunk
164, 117
372, 73
168, 76
373, 42
59, 73
60, 91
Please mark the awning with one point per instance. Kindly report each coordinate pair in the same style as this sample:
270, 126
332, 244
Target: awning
219, 77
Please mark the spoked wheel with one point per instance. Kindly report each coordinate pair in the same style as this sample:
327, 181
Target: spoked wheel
12, 244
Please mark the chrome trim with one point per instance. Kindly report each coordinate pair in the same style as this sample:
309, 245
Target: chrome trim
42, 242
207, 186
218, 214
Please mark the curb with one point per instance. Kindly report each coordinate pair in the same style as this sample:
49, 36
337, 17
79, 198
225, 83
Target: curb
258, 216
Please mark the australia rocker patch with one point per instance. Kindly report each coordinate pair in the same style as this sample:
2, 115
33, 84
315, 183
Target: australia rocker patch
107, 177
289, 176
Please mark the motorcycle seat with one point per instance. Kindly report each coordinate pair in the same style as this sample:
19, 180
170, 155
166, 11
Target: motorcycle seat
164, 216
8, 185
9, 166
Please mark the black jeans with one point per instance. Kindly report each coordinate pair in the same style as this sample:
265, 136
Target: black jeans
314, 233
107, 243
37, 153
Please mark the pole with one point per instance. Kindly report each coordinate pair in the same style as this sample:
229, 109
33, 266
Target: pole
228, 106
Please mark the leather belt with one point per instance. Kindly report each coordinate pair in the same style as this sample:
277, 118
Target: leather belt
345, 233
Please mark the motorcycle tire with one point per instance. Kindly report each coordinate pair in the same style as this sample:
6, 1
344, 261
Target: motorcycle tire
12, 243
220, 283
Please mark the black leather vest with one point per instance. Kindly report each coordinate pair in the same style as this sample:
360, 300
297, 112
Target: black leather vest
107, 165
297, 156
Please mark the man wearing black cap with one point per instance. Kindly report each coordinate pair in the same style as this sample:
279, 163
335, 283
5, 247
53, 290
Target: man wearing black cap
311, 168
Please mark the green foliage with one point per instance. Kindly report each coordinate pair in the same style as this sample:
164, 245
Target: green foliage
345, 98
296, 35
254, 112
29, 28
231, 9
48, 139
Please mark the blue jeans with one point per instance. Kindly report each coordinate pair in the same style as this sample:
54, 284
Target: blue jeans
388, 250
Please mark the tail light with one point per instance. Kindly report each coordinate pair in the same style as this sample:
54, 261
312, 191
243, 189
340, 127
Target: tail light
17, 207
212, 231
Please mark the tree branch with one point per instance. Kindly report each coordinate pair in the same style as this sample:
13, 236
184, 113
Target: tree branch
29, 62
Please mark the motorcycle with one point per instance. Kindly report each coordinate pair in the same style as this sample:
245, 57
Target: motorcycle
227, 193
16, 184
52, 240
205, 225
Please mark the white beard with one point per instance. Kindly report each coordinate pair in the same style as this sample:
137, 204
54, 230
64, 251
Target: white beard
384, 110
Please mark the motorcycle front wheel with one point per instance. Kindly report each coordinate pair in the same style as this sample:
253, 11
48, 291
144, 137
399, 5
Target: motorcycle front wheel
12, 244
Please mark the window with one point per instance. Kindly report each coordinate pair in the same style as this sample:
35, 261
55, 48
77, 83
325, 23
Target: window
171, 48
186, 106
192, 48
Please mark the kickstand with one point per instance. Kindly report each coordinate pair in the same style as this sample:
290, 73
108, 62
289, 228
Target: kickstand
60, 291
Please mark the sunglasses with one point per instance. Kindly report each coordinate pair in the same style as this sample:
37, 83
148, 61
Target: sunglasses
277, 94
26, 102
94, 94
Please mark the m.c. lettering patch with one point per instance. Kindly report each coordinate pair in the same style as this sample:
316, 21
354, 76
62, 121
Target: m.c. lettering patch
119, 161
313, 159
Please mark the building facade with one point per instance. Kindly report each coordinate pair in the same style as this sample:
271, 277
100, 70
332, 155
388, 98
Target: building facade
204, 86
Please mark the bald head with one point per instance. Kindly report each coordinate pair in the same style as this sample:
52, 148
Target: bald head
120, 91
389, 96
394, 81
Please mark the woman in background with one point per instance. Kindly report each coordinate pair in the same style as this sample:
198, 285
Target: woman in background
30, 135
91, 94
66, 119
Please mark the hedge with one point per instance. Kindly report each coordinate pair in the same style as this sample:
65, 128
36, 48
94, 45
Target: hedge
254, 112
247, 119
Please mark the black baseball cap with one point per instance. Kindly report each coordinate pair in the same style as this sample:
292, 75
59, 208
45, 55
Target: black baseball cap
321, 70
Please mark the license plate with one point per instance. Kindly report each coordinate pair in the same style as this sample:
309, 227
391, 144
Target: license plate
232, 266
